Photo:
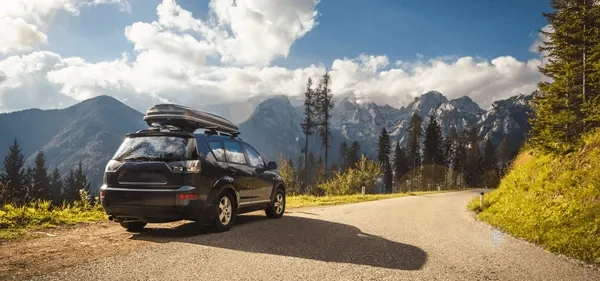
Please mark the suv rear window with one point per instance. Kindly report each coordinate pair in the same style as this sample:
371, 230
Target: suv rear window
156, 148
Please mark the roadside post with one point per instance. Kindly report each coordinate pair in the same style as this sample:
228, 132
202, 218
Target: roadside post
481, 200
362, 192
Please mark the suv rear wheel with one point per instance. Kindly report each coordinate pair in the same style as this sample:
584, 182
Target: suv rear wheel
224, 212
133, 226
277, 207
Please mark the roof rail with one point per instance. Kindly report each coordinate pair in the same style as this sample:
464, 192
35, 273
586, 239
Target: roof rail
215, 131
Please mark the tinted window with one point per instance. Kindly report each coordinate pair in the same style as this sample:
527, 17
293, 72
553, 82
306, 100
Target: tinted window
217, 149
253, 156
157, 148
234, 152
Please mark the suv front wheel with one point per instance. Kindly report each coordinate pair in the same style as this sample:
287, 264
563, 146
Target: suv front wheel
277, 207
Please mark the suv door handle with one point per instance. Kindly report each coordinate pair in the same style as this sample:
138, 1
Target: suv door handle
231, 170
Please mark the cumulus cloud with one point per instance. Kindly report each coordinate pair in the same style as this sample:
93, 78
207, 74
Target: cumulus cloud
22, 21
228, 57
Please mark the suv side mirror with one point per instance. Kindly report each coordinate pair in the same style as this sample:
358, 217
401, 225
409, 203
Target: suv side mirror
271, 165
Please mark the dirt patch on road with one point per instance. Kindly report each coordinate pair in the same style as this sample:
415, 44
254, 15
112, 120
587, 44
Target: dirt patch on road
62, 247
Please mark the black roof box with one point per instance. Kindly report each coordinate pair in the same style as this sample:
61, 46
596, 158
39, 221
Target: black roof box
188, 119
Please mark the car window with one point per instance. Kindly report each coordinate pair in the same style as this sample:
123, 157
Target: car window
217, 149
234, 153
253, 156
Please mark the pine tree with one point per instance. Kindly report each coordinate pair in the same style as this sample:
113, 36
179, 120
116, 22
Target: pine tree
321, 170
311, 170
324, 107
503, 155
400, 166
81, 179
14, 175
413, 147
353, 155
309, 122
388, 175
40, 178
343, 156
473, 164
383, 147
567, 106
449, 146
433, 154
459, 164
71, 188
490, 164
56, 187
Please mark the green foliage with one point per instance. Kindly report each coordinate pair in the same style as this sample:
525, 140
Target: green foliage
14, 175
552, 200
40, 178
567, 106
16, 219
286, 170
383, 147
351, 182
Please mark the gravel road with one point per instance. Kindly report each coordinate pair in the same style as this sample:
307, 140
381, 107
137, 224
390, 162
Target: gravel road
429, 237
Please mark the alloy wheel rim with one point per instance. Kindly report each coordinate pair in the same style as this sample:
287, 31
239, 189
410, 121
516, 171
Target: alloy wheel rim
279, 203
225, 209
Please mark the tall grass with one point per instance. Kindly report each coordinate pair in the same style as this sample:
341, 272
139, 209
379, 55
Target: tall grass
551, 200
16, 220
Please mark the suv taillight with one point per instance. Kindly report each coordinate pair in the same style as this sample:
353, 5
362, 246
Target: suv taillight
189, 166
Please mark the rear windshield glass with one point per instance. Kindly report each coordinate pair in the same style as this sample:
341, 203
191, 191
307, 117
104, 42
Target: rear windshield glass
155, 148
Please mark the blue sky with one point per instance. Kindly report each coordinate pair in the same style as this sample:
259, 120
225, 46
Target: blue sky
399, 29
71, 50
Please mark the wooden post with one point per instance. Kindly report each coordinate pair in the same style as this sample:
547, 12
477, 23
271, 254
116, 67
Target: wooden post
481, 200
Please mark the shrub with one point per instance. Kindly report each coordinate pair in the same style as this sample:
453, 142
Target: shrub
353, 179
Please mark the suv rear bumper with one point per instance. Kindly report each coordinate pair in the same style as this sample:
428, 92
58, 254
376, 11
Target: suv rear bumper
151, 204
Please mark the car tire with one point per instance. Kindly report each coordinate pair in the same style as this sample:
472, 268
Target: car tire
134, 226
224, 212
277, 206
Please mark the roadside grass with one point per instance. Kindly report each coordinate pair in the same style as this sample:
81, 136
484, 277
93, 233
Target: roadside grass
297, 201
18, 221
550, 200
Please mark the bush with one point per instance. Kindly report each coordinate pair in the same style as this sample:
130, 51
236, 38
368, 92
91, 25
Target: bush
353, 179
42, 213
552, 200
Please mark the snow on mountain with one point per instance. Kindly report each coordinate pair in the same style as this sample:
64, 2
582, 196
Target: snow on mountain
356, 120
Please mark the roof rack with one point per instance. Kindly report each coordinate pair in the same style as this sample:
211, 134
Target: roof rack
188, 119
215, 131
158, 127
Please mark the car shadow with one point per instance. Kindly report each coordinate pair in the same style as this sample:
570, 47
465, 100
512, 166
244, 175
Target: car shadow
299, 237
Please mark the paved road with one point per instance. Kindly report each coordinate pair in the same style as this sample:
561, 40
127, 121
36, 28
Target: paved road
431, 237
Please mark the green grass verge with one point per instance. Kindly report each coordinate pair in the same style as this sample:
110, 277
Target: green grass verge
310, 201
15, 221
553, 201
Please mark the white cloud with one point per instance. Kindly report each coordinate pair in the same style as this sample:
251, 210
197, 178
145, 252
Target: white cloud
22, 21
174, 62
540, 40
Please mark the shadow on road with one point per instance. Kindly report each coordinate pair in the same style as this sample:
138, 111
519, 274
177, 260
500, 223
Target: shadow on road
299, 237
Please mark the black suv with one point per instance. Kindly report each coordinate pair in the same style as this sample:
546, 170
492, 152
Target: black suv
171, 172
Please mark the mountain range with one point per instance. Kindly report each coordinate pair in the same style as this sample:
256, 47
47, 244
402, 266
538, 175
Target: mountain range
92, 130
